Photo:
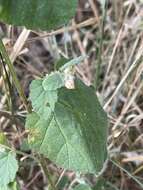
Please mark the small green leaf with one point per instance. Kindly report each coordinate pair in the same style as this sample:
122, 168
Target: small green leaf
42, 101
8, 167
39, 98
74, 134
37, 14
43, 92
82, 187
73, 62
53, 81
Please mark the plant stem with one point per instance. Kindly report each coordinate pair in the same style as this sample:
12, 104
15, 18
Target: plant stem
128, 173
99, 53
46, 172
19, 152
13, 74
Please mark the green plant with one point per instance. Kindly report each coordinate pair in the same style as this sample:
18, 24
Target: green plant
67, 123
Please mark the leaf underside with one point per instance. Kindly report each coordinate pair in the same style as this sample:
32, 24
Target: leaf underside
37, 14
74, 134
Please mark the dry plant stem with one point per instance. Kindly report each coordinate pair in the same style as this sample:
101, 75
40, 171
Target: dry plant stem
138, 170
131, 100
80, 45
33, 180
112, 57
14, 76
15, 52
117, 43
5, 114
125, 109
19, 152
132, 67
128, 173
18, 46
95, 11
79, 42
88, 22
133, 158
135, 45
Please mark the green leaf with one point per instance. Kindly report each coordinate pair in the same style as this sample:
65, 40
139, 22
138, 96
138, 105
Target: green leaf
42, 14
43, 92
14, 186
8, 167
39, 98
11, 186
74, 134
43, 100
4, 187
82, 187
53, 81
72, 62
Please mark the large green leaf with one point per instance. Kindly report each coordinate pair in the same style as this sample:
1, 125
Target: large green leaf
8, 167
74, 134
43, 14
